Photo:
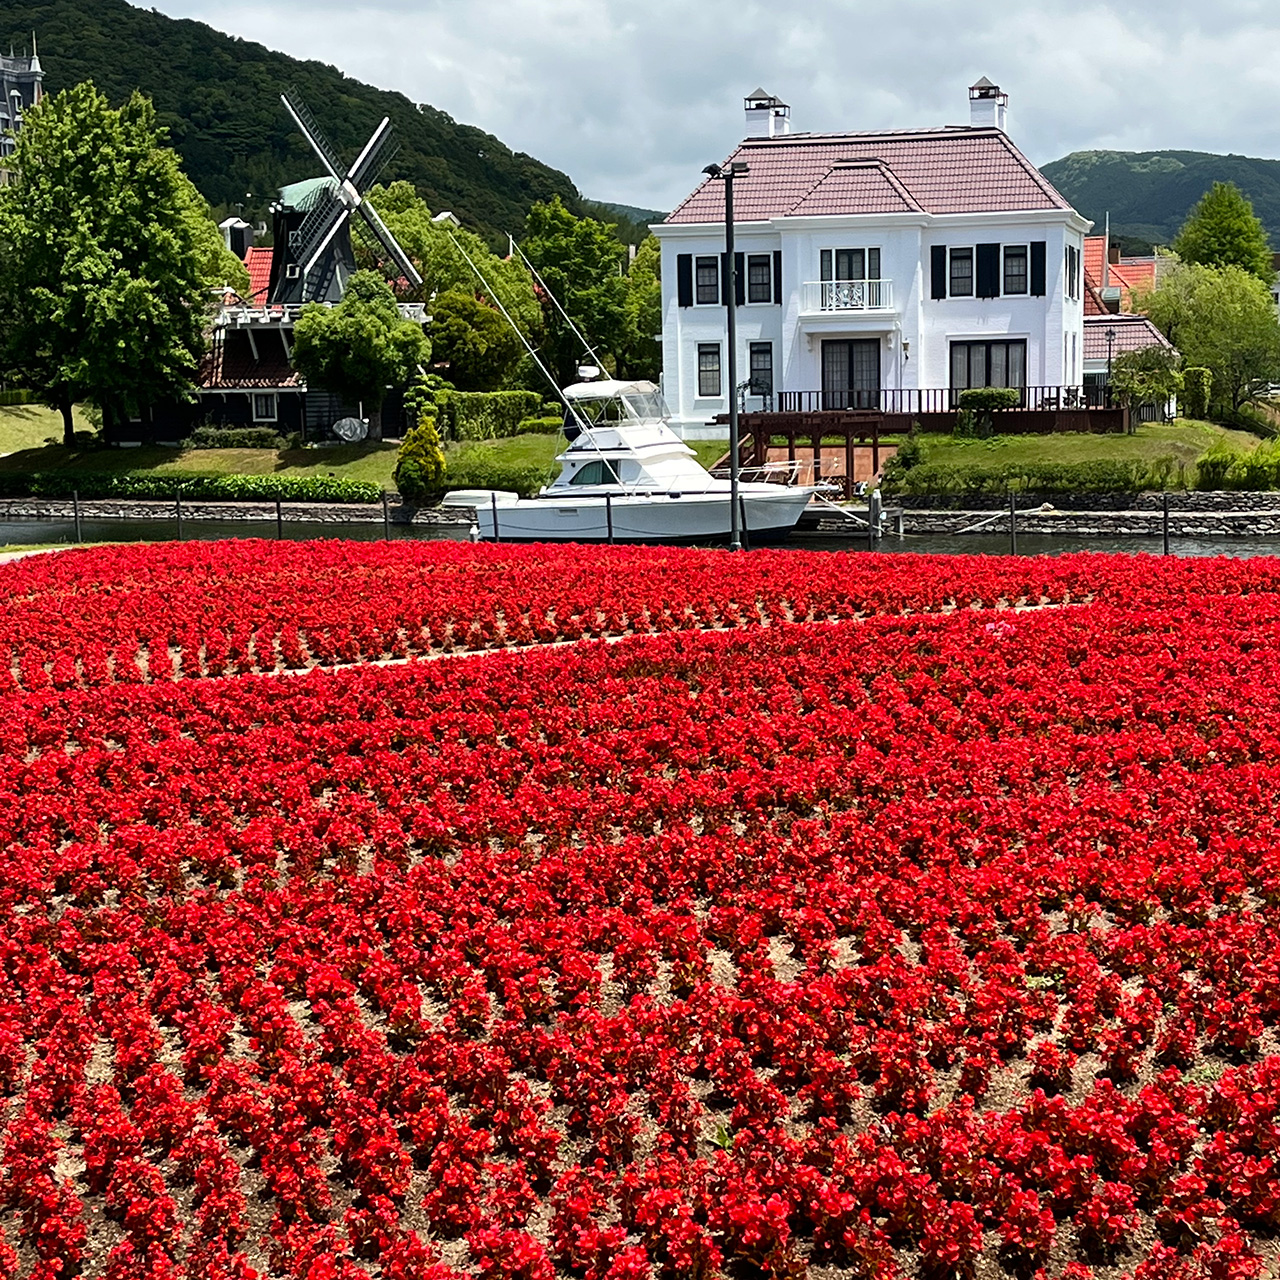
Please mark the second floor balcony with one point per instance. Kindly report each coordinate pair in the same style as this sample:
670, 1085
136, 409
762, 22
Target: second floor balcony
836, 297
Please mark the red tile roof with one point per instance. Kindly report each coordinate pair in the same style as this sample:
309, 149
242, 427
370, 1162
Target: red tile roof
1127, 275
258, 260
958, 170
1093, 304
230, 366
1133, 333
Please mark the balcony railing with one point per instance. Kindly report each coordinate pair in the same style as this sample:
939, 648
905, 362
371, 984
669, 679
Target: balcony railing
935, 399
847, 295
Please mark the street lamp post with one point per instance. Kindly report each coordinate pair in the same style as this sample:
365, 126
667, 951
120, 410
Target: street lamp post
1111, 342
727, 173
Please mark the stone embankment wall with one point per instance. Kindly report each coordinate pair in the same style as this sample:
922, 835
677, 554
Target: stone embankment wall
313, 512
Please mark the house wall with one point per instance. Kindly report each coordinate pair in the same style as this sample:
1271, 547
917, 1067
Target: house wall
914, 334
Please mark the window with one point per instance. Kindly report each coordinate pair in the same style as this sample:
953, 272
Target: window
598, 472
708, 273
264, 407
850, 264
761, 357
988, 364
1015, 268
961, 273
1072, 266
759, 277
708, 368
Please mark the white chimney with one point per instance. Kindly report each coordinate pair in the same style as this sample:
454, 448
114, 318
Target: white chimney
767, 116
988, 107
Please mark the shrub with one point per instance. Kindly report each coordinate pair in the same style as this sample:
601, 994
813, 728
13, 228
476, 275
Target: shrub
1097, 476
978, 407
1213, 466
193, 487
1196, 385
485, 415
234, 438
478, 469
420, 465
18, 396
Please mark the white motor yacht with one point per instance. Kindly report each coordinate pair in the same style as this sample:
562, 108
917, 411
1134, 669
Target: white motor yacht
627, 477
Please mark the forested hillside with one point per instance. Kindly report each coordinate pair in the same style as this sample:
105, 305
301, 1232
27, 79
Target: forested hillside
1150, 193
219, 97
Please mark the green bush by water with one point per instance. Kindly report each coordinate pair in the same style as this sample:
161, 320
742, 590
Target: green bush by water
193, 487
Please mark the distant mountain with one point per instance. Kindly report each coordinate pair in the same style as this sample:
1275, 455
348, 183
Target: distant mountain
1150, 193
632, 222
219, 97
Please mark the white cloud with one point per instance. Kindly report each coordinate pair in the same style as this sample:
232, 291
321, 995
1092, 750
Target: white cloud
632, 100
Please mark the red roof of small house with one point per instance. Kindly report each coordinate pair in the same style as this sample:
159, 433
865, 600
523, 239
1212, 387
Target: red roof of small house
1093, 304
1132, 333
954, 170
1129, 275
230, 365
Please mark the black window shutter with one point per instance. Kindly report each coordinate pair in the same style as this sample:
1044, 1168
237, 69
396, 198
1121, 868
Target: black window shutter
724, 279
1037, 268
777, 277
684, 279
938, 271
740, 283
988, 271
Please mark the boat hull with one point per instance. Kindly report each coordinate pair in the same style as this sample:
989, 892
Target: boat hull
643, 518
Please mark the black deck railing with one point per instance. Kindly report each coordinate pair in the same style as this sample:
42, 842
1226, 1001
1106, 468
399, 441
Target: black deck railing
915, 400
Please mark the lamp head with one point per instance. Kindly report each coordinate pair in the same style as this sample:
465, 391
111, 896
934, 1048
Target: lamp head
712, 171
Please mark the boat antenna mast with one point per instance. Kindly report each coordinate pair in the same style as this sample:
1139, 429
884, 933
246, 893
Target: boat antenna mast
568, 319
450, 224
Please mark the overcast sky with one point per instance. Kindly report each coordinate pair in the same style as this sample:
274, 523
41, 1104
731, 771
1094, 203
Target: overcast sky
632, 97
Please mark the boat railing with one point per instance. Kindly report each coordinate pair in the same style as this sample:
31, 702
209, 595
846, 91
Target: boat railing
782, 472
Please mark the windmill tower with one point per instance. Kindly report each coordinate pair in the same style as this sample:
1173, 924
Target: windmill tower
313, 258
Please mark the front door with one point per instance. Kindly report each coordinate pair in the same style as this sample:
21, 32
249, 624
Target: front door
851, 373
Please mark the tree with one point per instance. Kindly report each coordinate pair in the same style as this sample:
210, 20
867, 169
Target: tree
1149, 375
474, 340
420, 464
1222, 319
107, 259
360, 347
641, 356
580, 261
1222, 231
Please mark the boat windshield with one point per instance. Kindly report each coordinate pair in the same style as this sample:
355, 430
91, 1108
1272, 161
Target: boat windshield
648, 406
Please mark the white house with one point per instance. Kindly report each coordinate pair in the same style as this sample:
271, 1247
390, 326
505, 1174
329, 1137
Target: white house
875, 270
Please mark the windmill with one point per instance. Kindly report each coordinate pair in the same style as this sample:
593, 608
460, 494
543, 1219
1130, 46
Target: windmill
313, 259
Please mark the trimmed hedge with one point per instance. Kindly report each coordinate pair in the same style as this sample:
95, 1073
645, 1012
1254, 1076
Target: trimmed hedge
548, 426
234, 438
194, 487
1099, 476
17, 396
484, 415
1197, 384
476, 469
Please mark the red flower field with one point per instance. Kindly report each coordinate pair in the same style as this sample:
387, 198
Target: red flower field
881, 916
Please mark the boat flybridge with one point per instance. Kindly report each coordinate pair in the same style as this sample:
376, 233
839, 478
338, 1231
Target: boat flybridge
627, 477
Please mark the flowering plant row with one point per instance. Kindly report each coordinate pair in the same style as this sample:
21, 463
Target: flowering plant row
929, 945
140, 614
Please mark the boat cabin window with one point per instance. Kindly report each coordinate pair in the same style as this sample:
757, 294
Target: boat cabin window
633, 406
601, 471
647, 405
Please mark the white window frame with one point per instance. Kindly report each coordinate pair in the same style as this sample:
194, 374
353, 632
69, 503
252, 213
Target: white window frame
1025, 291
698, 370
698, 299
757, 258
255, 396
971, 250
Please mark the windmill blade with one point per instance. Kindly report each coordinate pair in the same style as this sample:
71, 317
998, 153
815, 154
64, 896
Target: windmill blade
339, 221
324, 208
305, 121
389, 243
371, 159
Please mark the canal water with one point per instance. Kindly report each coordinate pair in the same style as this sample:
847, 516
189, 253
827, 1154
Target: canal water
106, 530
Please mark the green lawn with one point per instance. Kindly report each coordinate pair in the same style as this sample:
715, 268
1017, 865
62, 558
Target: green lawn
28, 426
1184, 440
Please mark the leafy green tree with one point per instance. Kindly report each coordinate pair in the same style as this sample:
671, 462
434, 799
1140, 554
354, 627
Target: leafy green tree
1222, 231
580, 261
108, 257
1149, 375
1222, 319
361, 347
641, 355
474, 340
